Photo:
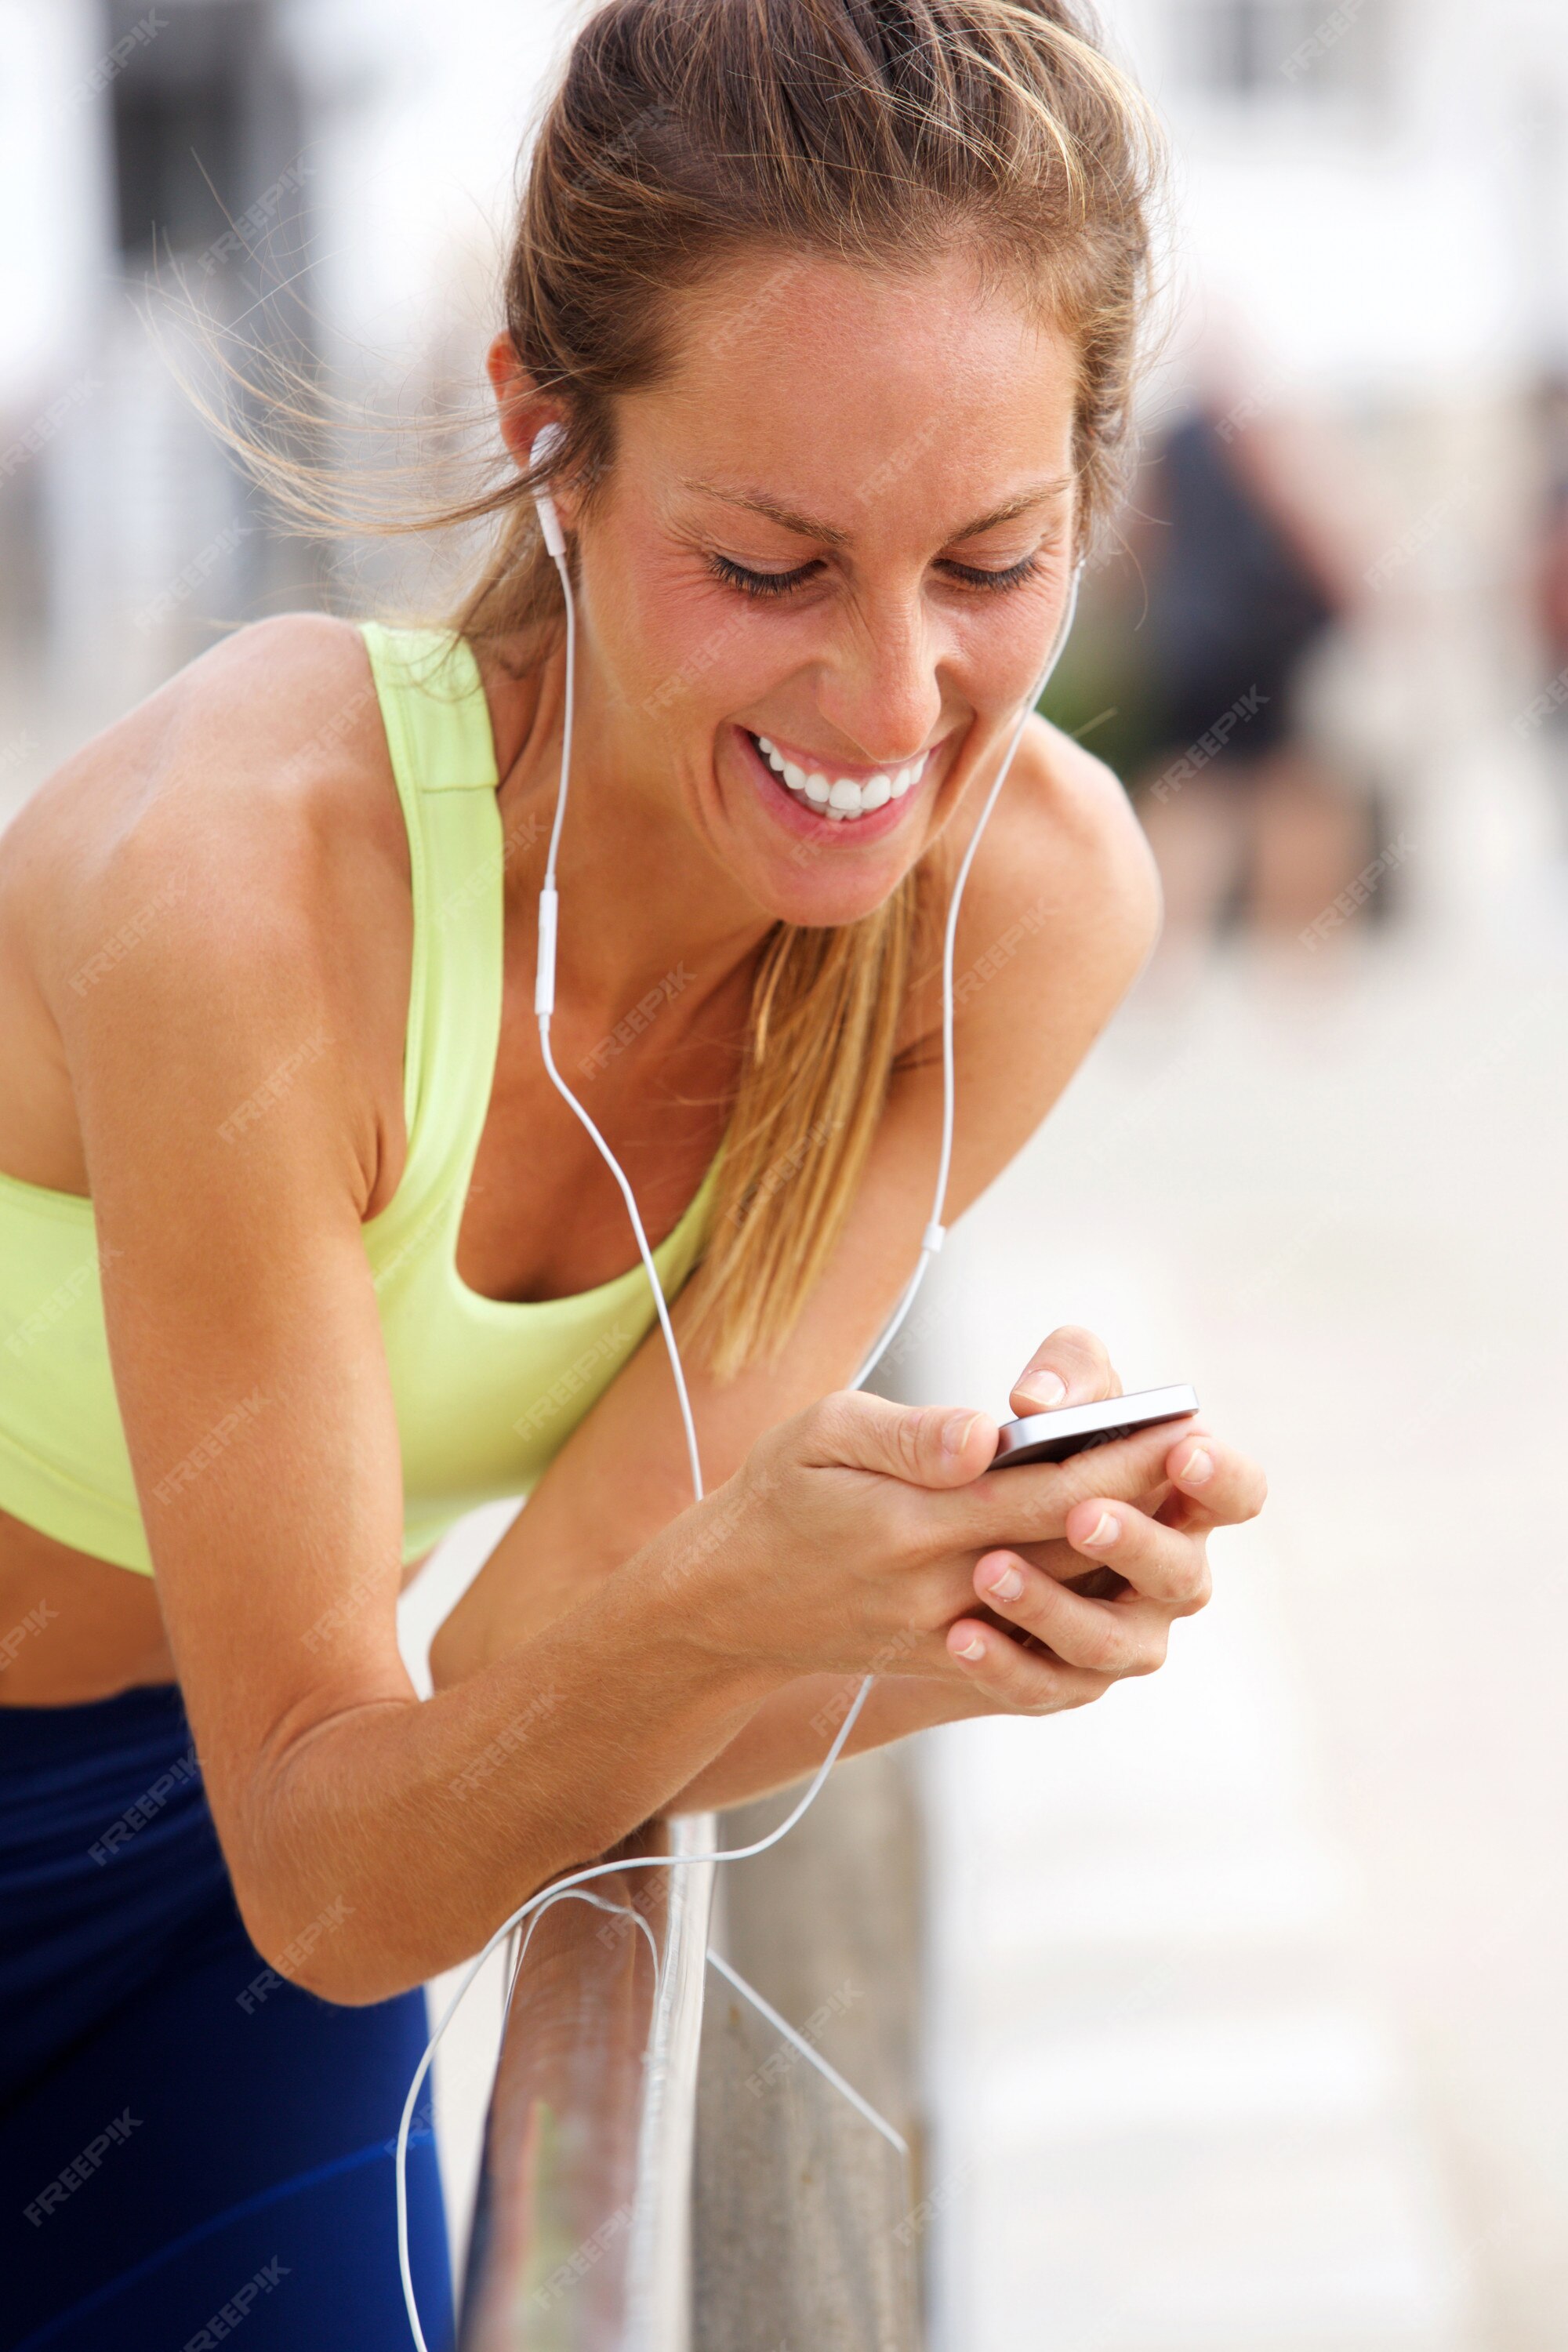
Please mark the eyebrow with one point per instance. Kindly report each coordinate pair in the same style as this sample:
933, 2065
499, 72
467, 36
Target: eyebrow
832, 535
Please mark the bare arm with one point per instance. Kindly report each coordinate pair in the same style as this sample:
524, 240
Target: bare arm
229, 1153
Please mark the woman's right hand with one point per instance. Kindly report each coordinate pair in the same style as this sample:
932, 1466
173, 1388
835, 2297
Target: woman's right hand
859, 1535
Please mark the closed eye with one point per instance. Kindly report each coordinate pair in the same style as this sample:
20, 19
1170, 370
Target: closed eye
975, 576
763, 584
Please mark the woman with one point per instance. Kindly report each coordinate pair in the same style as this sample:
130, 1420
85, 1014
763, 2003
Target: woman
302, 1256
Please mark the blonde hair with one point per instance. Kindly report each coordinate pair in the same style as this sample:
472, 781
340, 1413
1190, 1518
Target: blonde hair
683, 134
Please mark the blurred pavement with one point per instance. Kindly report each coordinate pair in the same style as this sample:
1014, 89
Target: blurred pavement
1249, 2023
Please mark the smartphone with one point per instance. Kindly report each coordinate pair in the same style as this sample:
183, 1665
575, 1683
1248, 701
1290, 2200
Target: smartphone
1073, 1428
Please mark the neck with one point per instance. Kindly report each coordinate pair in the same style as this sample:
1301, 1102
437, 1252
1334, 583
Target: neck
641, 894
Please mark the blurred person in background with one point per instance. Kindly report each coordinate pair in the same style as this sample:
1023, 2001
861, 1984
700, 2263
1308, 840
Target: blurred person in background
1248, 566
267, 964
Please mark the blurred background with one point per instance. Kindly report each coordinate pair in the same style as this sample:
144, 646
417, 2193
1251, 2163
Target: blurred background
1245, 2023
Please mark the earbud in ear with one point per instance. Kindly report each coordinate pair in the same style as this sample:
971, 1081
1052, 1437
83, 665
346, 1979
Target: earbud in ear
545, 445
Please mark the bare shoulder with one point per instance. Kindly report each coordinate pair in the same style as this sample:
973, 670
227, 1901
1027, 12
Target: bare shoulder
1061, 913
1067, 852
1062, 906
269, 738
236, 836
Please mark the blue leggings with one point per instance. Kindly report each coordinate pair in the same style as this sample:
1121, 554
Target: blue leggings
187, 2141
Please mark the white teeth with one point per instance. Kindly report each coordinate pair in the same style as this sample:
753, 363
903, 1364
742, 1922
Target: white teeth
847, 798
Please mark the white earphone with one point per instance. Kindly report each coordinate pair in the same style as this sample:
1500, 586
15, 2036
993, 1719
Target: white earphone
544, 448
545, 445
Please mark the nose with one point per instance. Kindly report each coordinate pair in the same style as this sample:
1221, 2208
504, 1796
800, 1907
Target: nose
879, 689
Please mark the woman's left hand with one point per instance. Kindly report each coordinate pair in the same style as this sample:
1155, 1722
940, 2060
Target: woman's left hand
1061, 1622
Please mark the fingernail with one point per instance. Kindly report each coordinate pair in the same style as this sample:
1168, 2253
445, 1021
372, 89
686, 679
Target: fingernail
1199, 1467
1043, 1388
976, 1649
1104, 1532
1005, 1582
955, 1431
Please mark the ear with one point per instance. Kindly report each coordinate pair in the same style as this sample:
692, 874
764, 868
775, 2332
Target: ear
524, 411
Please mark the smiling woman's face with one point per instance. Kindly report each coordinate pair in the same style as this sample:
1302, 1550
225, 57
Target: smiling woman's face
827, 566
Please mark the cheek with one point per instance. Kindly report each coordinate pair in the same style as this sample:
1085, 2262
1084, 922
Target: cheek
1005, 641
691, 656
679, 647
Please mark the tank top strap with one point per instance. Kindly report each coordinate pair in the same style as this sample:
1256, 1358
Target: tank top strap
443, 757
434, 701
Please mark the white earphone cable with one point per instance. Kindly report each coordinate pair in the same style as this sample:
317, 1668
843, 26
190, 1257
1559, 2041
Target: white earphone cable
540, 1901
544, 1005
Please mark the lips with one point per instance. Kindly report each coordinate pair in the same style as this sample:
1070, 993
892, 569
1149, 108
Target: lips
817, 806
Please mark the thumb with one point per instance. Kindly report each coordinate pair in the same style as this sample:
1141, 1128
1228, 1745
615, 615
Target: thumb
1071, 1367
925, 1446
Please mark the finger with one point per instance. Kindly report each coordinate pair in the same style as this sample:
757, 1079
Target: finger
933, 1446
1110, 1638
1219, 1487
1029, 1503
1158, 1560
1061, 1560
1071, 1367
1015, 1680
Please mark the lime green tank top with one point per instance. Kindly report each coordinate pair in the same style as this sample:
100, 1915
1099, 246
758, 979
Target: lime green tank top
486, 1391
